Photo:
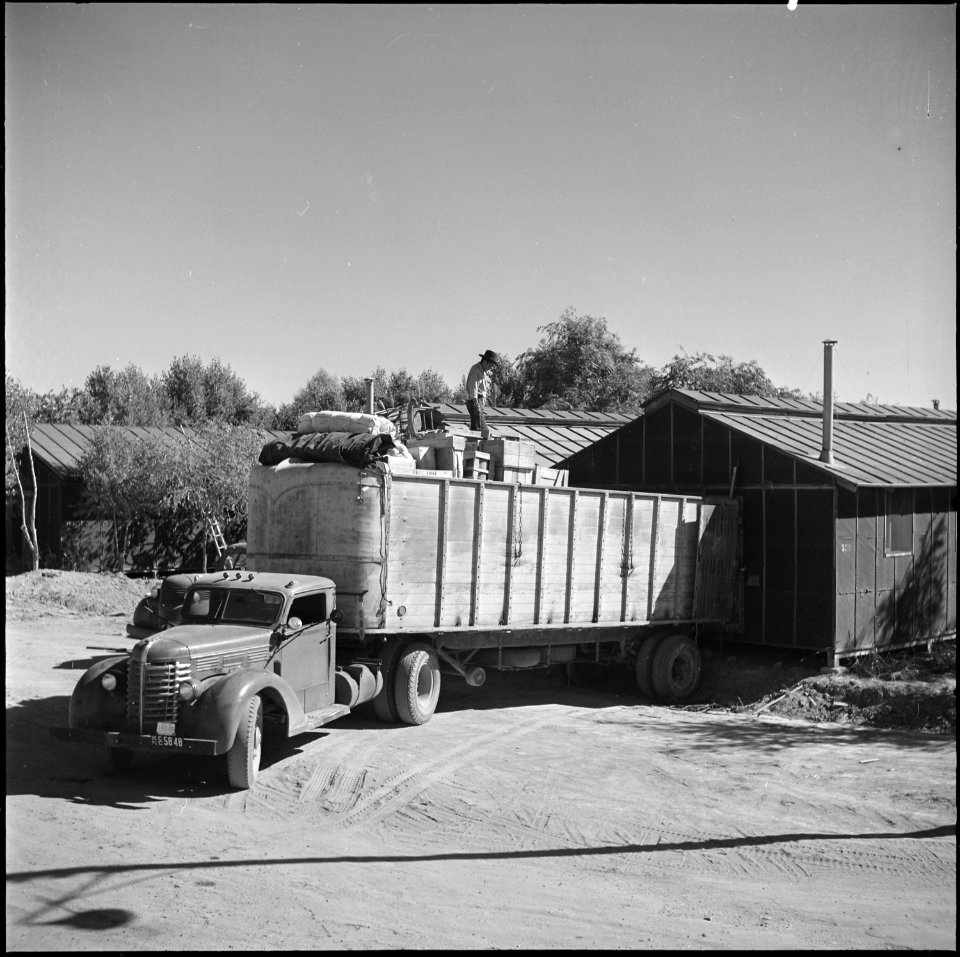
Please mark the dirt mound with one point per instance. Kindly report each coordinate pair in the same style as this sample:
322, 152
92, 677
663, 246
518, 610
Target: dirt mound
908, 690
49, 593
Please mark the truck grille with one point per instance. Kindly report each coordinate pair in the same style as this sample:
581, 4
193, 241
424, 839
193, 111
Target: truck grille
152, 693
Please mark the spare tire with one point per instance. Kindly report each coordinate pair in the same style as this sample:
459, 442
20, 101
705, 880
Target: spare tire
676, 668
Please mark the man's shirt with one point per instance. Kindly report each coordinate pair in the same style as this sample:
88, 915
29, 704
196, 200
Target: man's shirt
476, 382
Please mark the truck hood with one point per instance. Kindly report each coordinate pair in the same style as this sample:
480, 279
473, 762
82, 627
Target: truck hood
203, 642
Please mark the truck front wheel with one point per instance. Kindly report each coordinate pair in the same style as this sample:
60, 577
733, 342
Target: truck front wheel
417, 685
243, 759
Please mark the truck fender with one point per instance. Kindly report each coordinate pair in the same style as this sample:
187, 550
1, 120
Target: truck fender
218, 712
91, 705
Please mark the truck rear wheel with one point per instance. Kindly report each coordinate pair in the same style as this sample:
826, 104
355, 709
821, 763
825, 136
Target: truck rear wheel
112, 760
243, 759
644, 666
676, 668
417, 686
385, 701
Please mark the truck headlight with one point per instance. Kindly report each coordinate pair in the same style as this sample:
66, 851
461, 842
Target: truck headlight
189, 690
108, 682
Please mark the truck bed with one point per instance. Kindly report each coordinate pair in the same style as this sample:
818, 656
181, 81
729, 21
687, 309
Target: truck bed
416, 553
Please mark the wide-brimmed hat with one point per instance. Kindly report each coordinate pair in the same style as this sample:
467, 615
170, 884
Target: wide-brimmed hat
491, 356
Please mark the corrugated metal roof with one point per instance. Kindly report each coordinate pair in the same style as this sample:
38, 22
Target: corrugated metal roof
878, 450
556, 435
726, 402
60, 447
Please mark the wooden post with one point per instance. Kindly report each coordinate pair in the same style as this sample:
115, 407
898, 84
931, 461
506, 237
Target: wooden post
627, 556
601, 540
654, 558
442, 549
570, 552
541, 553
477, 552
511, 544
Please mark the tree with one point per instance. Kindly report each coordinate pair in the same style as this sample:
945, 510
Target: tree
170, 490
212, 470
183, 383
707, 373
392, 389
432, 387
122, 478
226, 397
322, 391
20, 406
127, 397
28, 522
196, 393
66, 407
578, 364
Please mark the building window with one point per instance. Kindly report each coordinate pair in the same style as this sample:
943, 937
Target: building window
898, 539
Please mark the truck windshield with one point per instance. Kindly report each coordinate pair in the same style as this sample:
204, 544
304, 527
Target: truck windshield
241, 606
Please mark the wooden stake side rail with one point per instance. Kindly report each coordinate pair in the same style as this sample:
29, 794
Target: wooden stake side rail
436, 555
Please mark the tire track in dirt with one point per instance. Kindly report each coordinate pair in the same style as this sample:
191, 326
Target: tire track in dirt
547, 813
336, 783
332, 782
339, 785
918, 860
400, 789
926, 862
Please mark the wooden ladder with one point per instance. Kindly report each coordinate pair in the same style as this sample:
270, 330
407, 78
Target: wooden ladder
220, 543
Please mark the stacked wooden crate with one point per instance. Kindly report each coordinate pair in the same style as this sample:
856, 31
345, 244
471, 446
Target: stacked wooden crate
438, 451
511, 460
476, 464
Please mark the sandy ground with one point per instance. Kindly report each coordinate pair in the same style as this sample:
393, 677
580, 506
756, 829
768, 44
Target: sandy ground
525, 814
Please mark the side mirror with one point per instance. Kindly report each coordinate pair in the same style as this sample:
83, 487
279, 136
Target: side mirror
336, 616
294, 624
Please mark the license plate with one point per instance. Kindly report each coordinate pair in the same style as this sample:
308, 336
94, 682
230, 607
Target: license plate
166, 727
166, 741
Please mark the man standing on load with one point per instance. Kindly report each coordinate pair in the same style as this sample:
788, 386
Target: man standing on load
477, 391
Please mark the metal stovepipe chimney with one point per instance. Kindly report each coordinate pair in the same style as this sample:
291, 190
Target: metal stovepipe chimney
826, 450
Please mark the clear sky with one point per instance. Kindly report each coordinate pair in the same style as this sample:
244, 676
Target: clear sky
350, 186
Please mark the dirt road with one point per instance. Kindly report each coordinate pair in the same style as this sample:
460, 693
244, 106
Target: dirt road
524, 814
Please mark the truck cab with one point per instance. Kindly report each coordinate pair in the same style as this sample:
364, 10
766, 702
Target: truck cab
250, 652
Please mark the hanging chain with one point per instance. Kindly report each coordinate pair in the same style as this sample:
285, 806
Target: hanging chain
518, 542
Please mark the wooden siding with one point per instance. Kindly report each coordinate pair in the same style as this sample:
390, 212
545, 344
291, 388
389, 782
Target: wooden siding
887, 601
466, 553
